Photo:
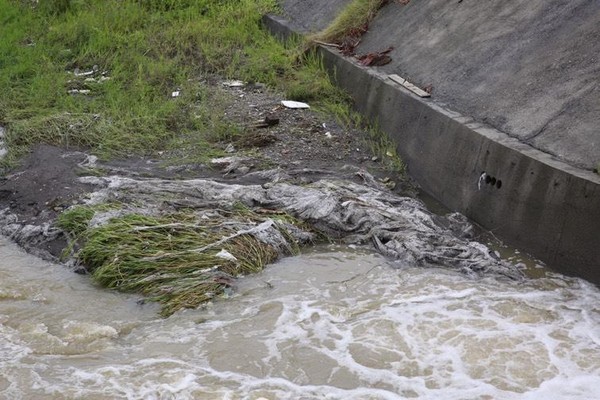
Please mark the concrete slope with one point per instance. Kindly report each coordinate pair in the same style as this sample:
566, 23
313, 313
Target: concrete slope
529, 68
311, 15
542, 203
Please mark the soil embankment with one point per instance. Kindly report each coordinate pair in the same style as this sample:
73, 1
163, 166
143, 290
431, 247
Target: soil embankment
181, 233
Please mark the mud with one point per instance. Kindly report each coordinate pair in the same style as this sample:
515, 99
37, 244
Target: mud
310, 167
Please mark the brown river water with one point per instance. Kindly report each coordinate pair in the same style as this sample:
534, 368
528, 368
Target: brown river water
332, 323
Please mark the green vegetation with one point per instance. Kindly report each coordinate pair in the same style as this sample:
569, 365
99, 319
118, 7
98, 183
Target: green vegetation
75, 220
352, 22
137, 53
100, 75
174, 259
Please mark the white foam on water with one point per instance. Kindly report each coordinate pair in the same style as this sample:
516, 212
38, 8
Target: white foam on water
333, 325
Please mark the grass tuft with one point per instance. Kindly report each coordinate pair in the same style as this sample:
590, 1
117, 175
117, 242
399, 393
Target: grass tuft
75, 220
174, 259
353, 21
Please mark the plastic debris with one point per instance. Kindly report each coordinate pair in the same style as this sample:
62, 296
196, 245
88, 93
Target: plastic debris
175, 93
230, 148
224, 254
234, 84
294, 104
269, 120
86, 73
79, 91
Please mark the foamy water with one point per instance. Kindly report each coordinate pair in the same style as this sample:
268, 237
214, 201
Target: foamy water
331, 324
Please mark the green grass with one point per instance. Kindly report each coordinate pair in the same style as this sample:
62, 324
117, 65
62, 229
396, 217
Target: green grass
75, 220
171, 259
147, 49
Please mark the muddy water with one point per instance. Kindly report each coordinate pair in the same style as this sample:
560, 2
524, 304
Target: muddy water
334, 323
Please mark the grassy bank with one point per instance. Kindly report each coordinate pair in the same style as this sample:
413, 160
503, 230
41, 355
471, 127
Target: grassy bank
100, 74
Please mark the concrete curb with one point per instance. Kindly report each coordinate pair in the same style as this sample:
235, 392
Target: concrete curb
523, 195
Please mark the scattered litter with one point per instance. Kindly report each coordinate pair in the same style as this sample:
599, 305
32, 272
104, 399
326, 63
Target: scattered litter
234, 84
374, 158
79, 91
328, 135
350, 43
267, 122
243, 170
481, 180
3, 150
232, 164
390, 184
230, 148
403, 82
223, 160
376, 58
175, 93
224, 254
86, 73
99, 80
294, 104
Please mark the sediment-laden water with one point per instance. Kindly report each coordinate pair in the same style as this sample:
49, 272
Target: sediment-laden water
334, 323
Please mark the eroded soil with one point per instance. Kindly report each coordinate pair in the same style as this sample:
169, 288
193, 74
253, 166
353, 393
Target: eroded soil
303, 144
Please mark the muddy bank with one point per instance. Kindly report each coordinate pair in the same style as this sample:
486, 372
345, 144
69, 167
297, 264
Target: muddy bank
302, 180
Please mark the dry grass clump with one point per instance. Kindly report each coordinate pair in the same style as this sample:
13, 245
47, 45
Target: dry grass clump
353, 21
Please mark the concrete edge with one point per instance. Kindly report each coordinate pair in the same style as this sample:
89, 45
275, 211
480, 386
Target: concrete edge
539, 204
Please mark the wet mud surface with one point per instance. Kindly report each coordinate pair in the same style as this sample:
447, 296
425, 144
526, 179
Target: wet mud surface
299, 163
303, 144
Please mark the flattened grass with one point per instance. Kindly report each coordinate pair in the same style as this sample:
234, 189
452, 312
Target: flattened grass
177, 260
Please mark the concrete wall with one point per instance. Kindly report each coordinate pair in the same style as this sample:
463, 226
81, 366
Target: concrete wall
542, 205
529, 68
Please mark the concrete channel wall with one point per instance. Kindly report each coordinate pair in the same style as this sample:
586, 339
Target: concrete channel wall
523, 195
